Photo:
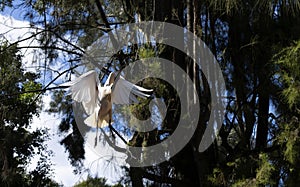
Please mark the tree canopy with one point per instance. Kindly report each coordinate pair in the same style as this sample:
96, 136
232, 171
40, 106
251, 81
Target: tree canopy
256, 44
19, 144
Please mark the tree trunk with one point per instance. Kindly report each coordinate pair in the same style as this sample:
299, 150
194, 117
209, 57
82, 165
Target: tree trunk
263, 115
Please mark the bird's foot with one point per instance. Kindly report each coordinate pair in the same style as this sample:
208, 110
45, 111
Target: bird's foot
96, 141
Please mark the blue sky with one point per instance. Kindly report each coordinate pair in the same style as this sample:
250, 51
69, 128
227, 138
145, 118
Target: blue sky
16, 14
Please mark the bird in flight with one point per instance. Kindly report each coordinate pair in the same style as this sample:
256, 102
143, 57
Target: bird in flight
97, 100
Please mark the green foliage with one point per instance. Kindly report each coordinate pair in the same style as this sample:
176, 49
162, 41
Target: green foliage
95, 182
29, 87
228, 6
245, 183
265, 171
288, 60
145, 52
217, 177
18, 144
289, 137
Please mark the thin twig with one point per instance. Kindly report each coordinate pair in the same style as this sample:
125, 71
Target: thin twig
45, 88
66, 41
51, 47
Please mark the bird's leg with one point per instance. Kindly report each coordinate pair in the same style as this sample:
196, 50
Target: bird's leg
96, 140
97, 126
110, 126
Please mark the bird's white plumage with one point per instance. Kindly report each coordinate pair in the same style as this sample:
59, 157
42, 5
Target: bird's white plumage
84, 90
97, 100
124, 92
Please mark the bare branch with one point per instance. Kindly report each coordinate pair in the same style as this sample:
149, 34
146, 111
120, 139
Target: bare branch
52, 81
106, 23
22, 40
66, 41
51, 47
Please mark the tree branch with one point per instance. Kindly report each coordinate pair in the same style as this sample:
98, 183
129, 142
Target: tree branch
22, 40
107, 24
60, 74
51, 47
66, 41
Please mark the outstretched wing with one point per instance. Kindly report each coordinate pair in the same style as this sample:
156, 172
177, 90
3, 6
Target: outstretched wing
84, 89
125, 92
